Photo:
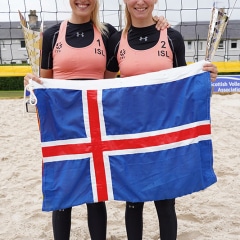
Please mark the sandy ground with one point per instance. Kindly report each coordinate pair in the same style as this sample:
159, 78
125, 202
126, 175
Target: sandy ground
210, 214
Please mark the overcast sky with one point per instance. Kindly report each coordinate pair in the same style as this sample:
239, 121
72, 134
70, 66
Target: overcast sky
60, 9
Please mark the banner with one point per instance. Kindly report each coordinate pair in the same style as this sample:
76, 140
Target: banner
227, 84
140, 138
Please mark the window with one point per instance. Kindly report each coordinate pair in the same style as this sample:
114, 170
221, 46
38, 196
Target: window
233, 44
220, 46
23, 45
3, 47
200, 45
189, 45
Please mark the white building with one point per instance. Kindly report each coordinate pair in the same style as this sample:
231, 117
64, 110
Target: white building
13, 51
12, 43
195, 39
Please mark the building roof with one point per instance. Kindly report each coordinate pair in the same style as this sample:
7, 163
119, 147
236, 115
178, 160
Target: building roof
189, 30
13, 30
199, 30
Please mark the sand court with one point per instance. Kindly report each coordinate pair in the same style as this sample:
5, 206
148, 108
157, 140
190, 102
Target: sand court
210, 214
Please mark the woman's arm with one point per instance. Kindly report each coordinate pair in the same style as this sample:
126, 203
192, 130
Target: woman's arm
109, 74
212, 69
161, 22
45, 73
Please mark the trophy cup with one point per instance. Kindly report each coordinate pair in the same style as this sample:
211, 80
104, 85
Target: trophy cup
218, 23
33, 41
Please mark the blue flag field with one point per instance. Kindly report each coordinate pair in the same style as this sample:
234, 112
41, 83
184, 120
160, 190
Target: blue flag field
140, 138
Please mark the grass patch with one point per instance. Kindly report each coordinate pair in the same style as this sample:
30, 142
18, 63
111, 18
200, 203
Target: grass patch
11, 94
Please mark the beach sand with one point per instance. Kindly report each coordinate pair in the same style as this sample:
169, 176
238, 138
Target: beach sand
209, 214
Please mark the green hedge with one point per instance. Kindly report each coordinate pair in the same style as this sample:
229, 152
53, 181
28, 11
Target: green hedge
11, 83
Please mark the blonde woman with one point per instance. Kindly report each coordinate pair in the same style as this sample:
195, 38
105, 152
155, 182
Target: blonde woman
76, 49
139, 49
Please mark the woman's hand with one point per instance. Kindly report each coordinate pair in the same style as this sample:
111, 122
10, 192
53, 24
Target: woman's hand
212, 69
161, 22
33, 77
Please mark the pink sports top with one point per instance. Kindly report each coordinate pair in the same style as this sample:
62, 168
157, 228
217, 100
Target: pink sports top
134, 62
78, 63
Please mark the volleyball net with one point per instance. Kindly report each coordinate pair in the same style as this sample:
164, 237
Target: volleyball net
191, 18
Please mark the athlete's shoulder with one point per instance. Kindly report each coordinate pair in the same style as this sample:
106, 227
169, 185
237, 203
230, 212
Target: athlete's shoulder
116, 36
110, 28
173, 33
51, 31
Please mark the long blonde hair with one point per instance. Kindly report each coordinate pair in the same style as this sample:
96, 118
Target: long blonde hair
128, 21
101, 27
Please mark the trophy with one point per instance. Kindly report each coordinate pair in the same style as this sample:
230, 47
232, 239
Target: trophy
218, 23
33, 41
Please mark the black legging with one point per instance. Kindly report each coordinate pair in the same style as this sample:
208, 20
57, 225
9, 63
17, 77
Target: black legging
166, 216
97, 222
